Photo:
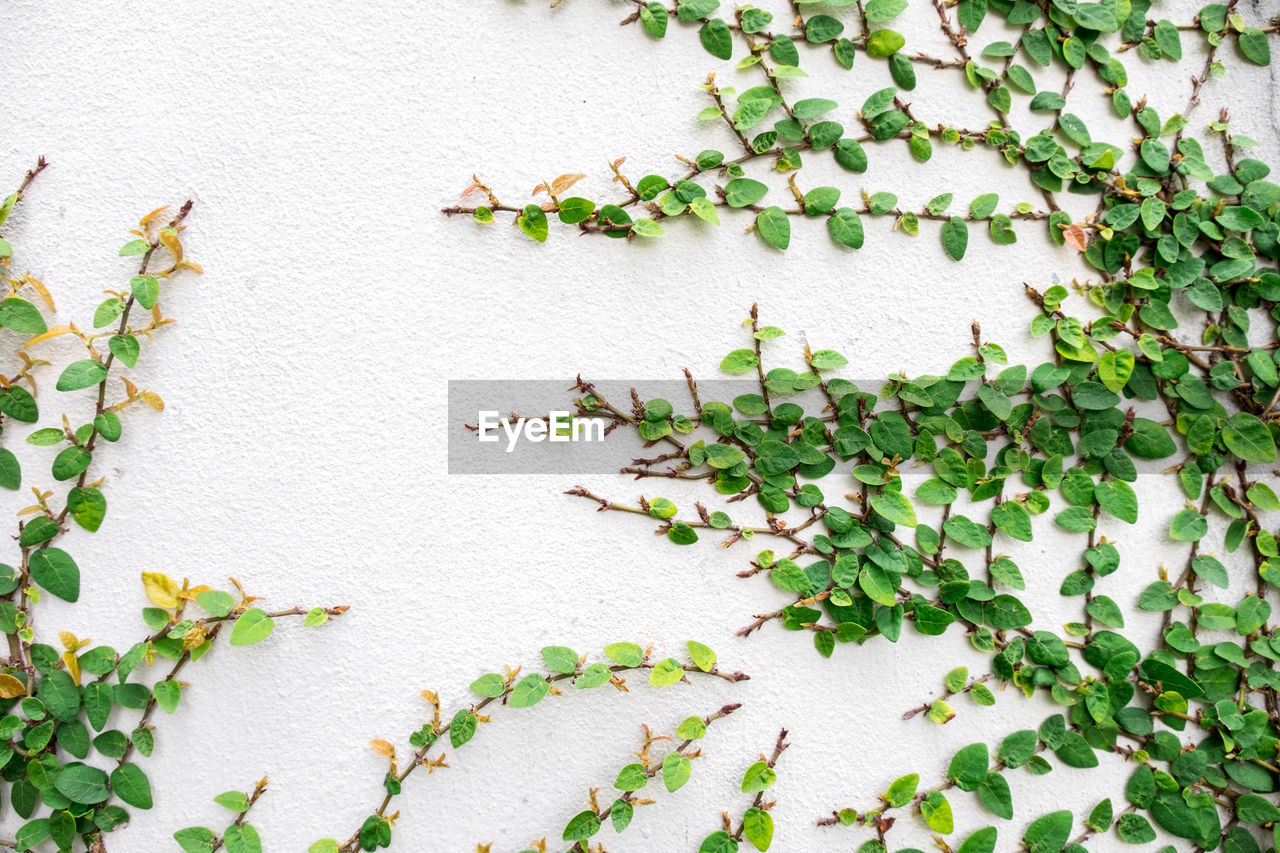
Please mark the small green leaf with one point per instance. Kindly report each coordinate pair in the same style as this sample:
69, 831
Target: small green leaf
253, 626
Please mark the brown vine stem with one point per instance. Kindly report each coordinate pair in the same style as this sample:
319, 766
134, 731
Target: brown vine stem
946, 694
154, 242
16, 650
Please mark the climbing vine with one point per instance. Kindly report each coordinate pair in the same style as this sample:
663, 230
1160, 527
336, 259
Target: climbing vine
1164, 360
1063, 155
78, 717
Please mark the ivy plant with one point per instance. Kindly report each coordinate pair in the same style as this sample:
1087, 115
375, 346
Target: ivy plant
78, 718
1163, 358
1022, 448
1141, 183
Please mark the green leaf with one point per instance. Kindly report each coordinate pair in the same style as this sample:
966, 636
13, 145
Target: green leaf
968, 767
902, 790
774, 226
1254, 46
197, 839
705, 210
1076, 752
235, 801
666, 672
1166, 35
955, 237
716, 38
995, 796
168, 693
895, 507
880, 11
625, 654
812, 107
17, 403
87, 507
845, 227
647, 228
981, 841
1251, 808
81, 374
54, 571
582, 826
81, 783
676, 770
253, 626
528, 691
1135, 829
71, 462
1248, 438
719, 842
107, 312
692, 728
533, 222
1048, 834
759, 777
826, 359
936, 812
10, 469
703, 656
216, 602
21, 316
620, 814
884, 43
757, 826
742, 192
560, 659
125, 348
240, 838
1117, 498
1188, 526
146, 289
984, 205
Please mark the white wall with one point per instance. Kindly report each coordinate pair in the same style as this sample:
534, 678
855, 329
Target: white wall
303, 450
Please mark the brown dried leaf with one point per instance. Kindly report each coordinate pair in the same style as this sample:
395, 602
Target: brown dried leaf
1075, 237
562, 184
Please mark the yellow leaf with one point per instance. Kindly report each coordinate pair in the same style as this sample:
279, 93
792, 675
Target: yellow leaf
10, 687
69, 640
73, 665
51, 332
173, 244
381, 746
39, 288
151, 217
161, 589
152, 399
193, 638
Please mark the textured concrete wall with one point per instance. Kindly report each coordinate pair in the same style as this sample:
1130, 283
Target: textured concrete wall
303, 450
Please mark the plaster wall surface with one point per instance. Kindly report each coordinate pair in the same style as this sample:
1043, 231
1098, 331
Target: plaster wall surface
303, 449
